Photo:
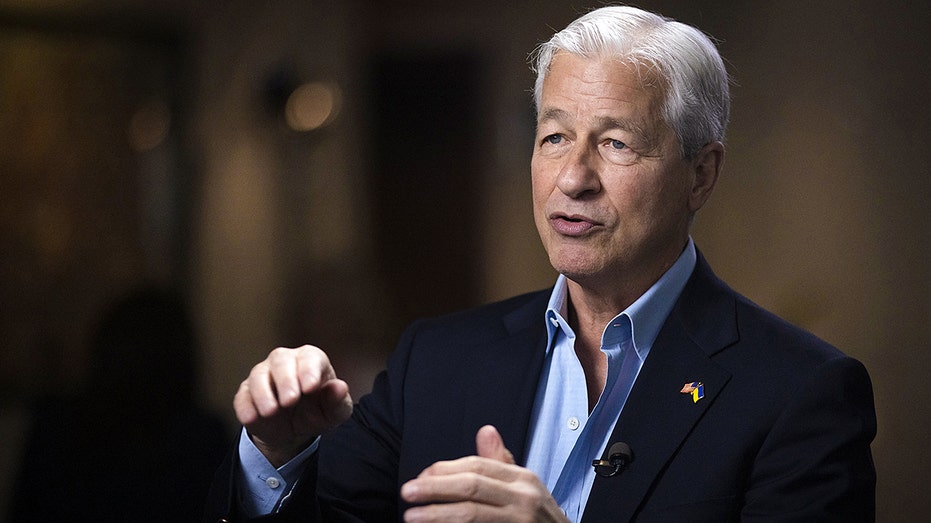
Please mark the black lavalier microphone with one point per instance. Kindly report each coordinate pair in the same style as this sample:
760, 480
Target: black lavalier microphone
619, 455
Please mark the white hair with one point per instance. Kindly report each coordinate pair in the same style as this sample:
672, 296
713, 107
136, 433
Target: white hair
684, 59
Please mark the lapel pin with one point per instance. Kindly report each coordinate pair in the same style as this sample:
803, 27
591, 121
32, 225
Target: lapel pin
695, 388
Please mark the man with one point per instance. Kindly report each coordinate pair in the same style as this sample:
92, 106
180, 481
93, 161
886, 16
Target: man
513, 411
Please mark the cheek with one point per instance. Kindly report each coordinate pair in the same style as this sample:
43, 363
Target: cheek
540, 193
629, 195
664, 208
639, 205
646, 190
540, 201
540, 186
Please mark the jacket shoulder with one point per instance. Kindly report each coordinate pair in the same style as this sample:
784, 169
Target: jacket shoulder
495, 319
718, 317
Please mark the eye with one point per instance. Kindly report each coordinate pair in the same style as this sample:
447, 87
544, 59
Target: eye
618, 152
553, 139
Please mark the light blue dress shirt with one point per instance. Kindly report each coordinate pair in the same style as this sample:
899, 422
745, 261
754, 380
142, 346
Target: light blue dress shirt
263, 488
557, 452
565, 438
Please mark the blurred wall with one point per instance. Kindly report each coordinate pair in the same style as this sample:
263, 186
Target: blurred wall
820, 215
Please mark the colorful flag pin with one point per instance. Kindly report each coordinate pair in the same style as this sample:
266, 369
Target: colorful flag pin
695, 388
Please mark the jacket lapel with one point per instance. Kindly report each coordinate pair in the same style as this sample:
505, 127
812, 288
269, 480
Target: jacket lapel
505, 378
657, 418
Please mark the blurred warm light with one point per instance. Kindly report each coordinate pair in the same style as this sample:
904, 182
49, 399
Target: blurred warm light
312, 106
149, 126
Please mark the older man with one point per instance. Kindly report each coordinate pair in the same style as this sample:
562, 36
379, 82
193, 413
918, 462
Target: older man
640, 387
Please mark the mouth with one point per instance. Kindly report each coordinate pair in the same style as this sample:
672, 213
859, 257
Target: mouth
572, 225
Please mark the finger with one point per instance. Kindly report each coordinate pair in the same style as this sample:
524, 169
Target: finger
260, 390
313, 368
465, 511
283, 378
458, 498
243, 405
465, 486
489, 444
330, 406
492, 468
336, 401
332, 403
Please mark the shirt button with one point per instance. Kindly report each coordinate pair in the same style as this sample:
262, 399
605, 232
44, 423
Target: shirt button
573, 423
273, 483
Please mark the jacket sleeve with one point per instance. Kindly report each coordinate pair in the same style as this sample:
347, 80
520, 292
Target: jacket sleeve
815, 464
358, 478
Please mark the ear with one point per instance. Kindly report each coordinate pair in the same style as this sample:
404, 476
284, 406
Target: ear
706, 166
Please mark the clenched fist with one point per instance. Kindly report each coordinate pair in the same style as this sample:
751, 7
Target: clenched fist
289, 399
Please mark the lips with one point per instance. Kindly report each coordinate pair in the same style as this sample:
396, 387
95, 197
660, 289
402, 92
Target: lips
574, 225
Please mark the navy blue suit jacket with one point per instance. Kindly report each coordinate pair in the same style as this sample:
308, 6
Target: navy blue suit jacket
782, 433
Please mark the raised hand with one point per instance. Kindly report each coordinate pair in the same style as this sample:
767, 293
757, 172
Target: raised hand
289, 399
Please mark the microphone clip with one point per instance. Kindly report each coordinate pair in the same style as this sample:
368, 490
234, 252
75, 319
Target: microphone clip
619, 456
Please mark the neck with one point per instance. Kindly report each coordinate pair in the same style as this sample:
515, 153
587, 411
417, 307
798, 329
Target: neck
591, 307
594, 306
588, 319
597, 298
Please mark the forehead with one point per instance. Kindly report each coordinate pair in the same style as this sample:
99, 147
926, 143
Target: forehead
605, 86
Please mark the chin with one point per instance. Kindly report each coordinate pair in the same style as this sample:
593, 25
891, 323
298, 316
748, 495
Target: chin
576, 269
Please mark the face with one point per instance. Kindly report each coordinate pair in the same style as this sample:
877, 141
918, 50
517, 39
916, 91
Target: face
612, 194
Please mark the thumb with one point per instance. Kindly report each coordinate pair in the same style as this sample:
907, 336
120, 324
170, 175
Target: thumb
337, 402
490, 445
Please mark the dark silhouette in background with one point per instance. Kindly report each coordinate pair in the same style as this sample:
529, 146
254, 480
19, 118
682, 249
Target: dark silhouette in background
121, 450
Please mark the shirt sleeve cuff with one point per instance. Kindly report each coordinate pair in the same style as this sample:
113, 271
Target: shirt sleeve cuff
262, 487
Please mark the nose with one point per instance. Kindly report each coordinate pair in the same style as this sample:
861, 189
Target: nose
578, 175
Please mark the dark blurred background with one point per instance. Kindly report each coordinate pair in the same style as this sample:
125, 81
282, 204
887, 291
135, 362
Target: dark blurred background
326, 171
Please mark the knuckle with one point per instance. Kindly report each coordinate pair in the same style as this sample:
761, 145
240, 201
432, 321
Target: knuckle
475, 464
473, 487
317, 354
278, 353
309, 355
527, 496
258, 368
